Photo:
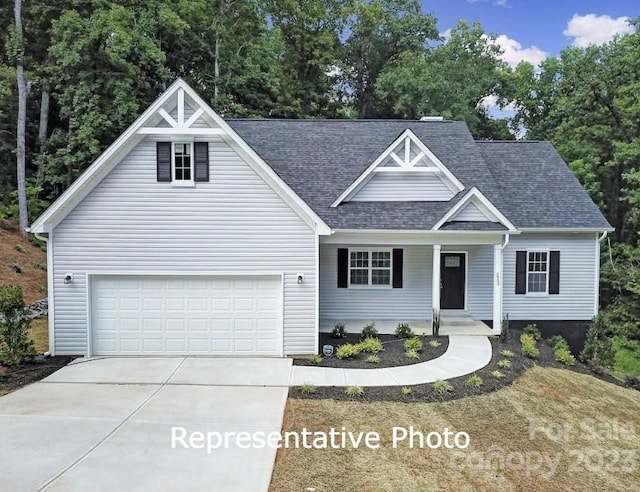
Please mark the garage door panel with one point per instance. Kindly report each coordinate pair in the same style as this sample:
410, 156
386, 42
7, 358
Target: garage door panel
183, 316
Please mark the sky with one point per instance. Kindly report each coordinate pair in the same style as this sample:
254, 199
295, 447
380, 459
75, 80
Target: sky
532, 30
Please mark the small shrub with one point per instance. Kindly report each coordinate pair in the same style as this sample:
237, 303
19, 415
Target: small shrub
15, 345
474, 381
369, 331
507, 353
42, 289
347, 351
442, 387
556, 341
315, 359
339, 330
497, 374
504, 364
354, 391
19, 248
16, 268
412, 354
403, 330
406, 390
373, 359
598, 348
413, 344
528, 343
434, 343
370, 346
504, 329
42, 266
533, 331
308, 389
564, 356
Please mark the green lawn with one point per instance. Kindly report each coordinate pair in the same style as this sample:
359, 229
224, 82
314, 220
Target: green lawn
627, 357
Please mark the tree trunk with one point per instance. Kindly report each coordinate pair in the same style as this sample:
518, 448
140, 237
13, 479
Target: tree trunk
21, 124
43, 127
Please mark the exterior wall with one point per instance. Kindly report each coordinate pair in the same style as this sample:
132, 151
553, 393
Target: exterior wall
576, 300
471, 213
406, 187
413, 301
233, 223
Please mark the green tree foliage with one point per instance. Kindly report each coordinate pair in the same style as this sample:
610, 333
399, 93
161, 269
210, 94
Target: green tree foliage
15, 345
452, 80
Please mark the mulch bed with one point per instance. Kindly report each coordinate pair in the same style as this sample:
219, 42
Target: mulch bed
392, 355
426, 393
30, 372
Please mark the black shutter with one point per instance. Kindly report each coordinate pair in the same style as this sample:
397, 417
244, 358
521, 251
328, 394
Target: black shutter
521, 272
163, 157
554, 272
201, 161
343, 268
397, 268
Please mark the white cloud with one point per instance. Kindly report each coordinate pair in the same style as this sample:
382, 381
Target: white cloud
514, 53
595, 29
446, 35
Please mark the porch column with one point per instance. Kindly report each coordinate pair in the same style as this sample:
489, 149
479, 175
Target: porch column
497, 288
435, 287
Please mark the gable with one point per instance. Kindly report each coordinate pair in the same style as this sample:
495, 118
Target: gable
473, 207
472, 212
178, 113
406, 171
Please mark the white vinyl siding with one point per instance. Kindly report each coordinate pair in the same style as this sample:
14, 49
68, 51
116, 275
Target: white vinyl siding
471, 213
576, 300
235, 223
404, 187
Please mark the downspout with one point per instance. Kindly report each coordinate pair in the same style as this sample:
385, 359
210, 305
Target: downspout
596, 281
50, 306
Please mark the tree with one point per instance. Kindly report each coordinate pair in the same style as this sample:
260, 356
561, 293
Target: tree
453, 80
381, 31
21, 121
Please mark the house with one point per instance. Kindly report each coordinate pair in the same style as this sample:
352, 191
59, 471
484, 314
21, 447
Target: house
192, 234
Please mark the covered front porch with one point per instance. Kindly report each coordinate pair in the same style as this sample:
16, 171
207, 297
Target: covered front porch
457, 276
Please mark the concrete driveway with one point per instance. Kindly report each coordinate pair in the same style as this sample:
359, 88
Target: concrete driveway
106, 424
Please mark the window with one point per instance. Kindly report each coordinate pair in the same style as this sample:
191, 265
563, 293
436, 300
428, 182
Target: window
372, 268
537, 272
182, 162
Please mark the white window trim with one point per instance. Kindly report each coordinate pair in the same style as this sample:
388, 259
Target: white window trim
369, 268
182, 183
548, 272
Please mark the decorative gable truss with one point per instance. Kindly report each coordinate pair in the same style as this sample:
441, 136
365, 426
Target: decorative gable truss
474, 207
406, 171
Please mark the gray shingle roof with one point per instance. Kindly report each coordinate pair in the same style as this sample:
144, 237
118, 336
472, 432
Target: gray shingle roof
319, 159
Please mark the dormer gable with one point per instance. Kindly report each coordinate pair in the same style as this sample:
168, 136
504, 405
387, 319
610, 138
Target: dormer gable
406, 171
474, 207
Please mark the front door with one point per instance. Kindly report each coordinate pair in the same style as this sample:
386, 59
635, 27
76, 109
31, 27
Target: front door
452, 279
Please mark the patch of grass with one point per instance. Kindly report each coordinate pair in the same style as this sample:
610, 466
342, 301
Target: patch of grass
308, 389
39, 333
403, 330
504, 364
354, 391
370, 346
406, 390
42, 289
442, 387
315, 359
413, 344
540, 395
373, 359
497, 374
369, 331
507, 353
474, 381
41, 266
434, 343
412, 354
19, 248
347, 351
528, 344
626, 357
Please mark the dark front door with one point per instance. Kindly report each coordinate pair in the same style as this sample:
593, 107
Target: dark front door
452, 278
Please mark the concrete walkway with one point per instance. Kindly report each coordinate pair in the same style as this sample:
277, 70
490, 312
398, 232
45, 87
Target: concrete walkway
464, 355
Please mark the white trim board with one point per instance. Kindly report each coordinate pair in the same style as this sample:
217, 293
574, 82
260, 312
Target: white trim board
475, 195
82, 186
404, 165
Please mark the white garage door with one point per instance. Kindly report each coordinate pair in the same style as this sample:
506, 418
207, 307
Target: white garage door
153, 315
